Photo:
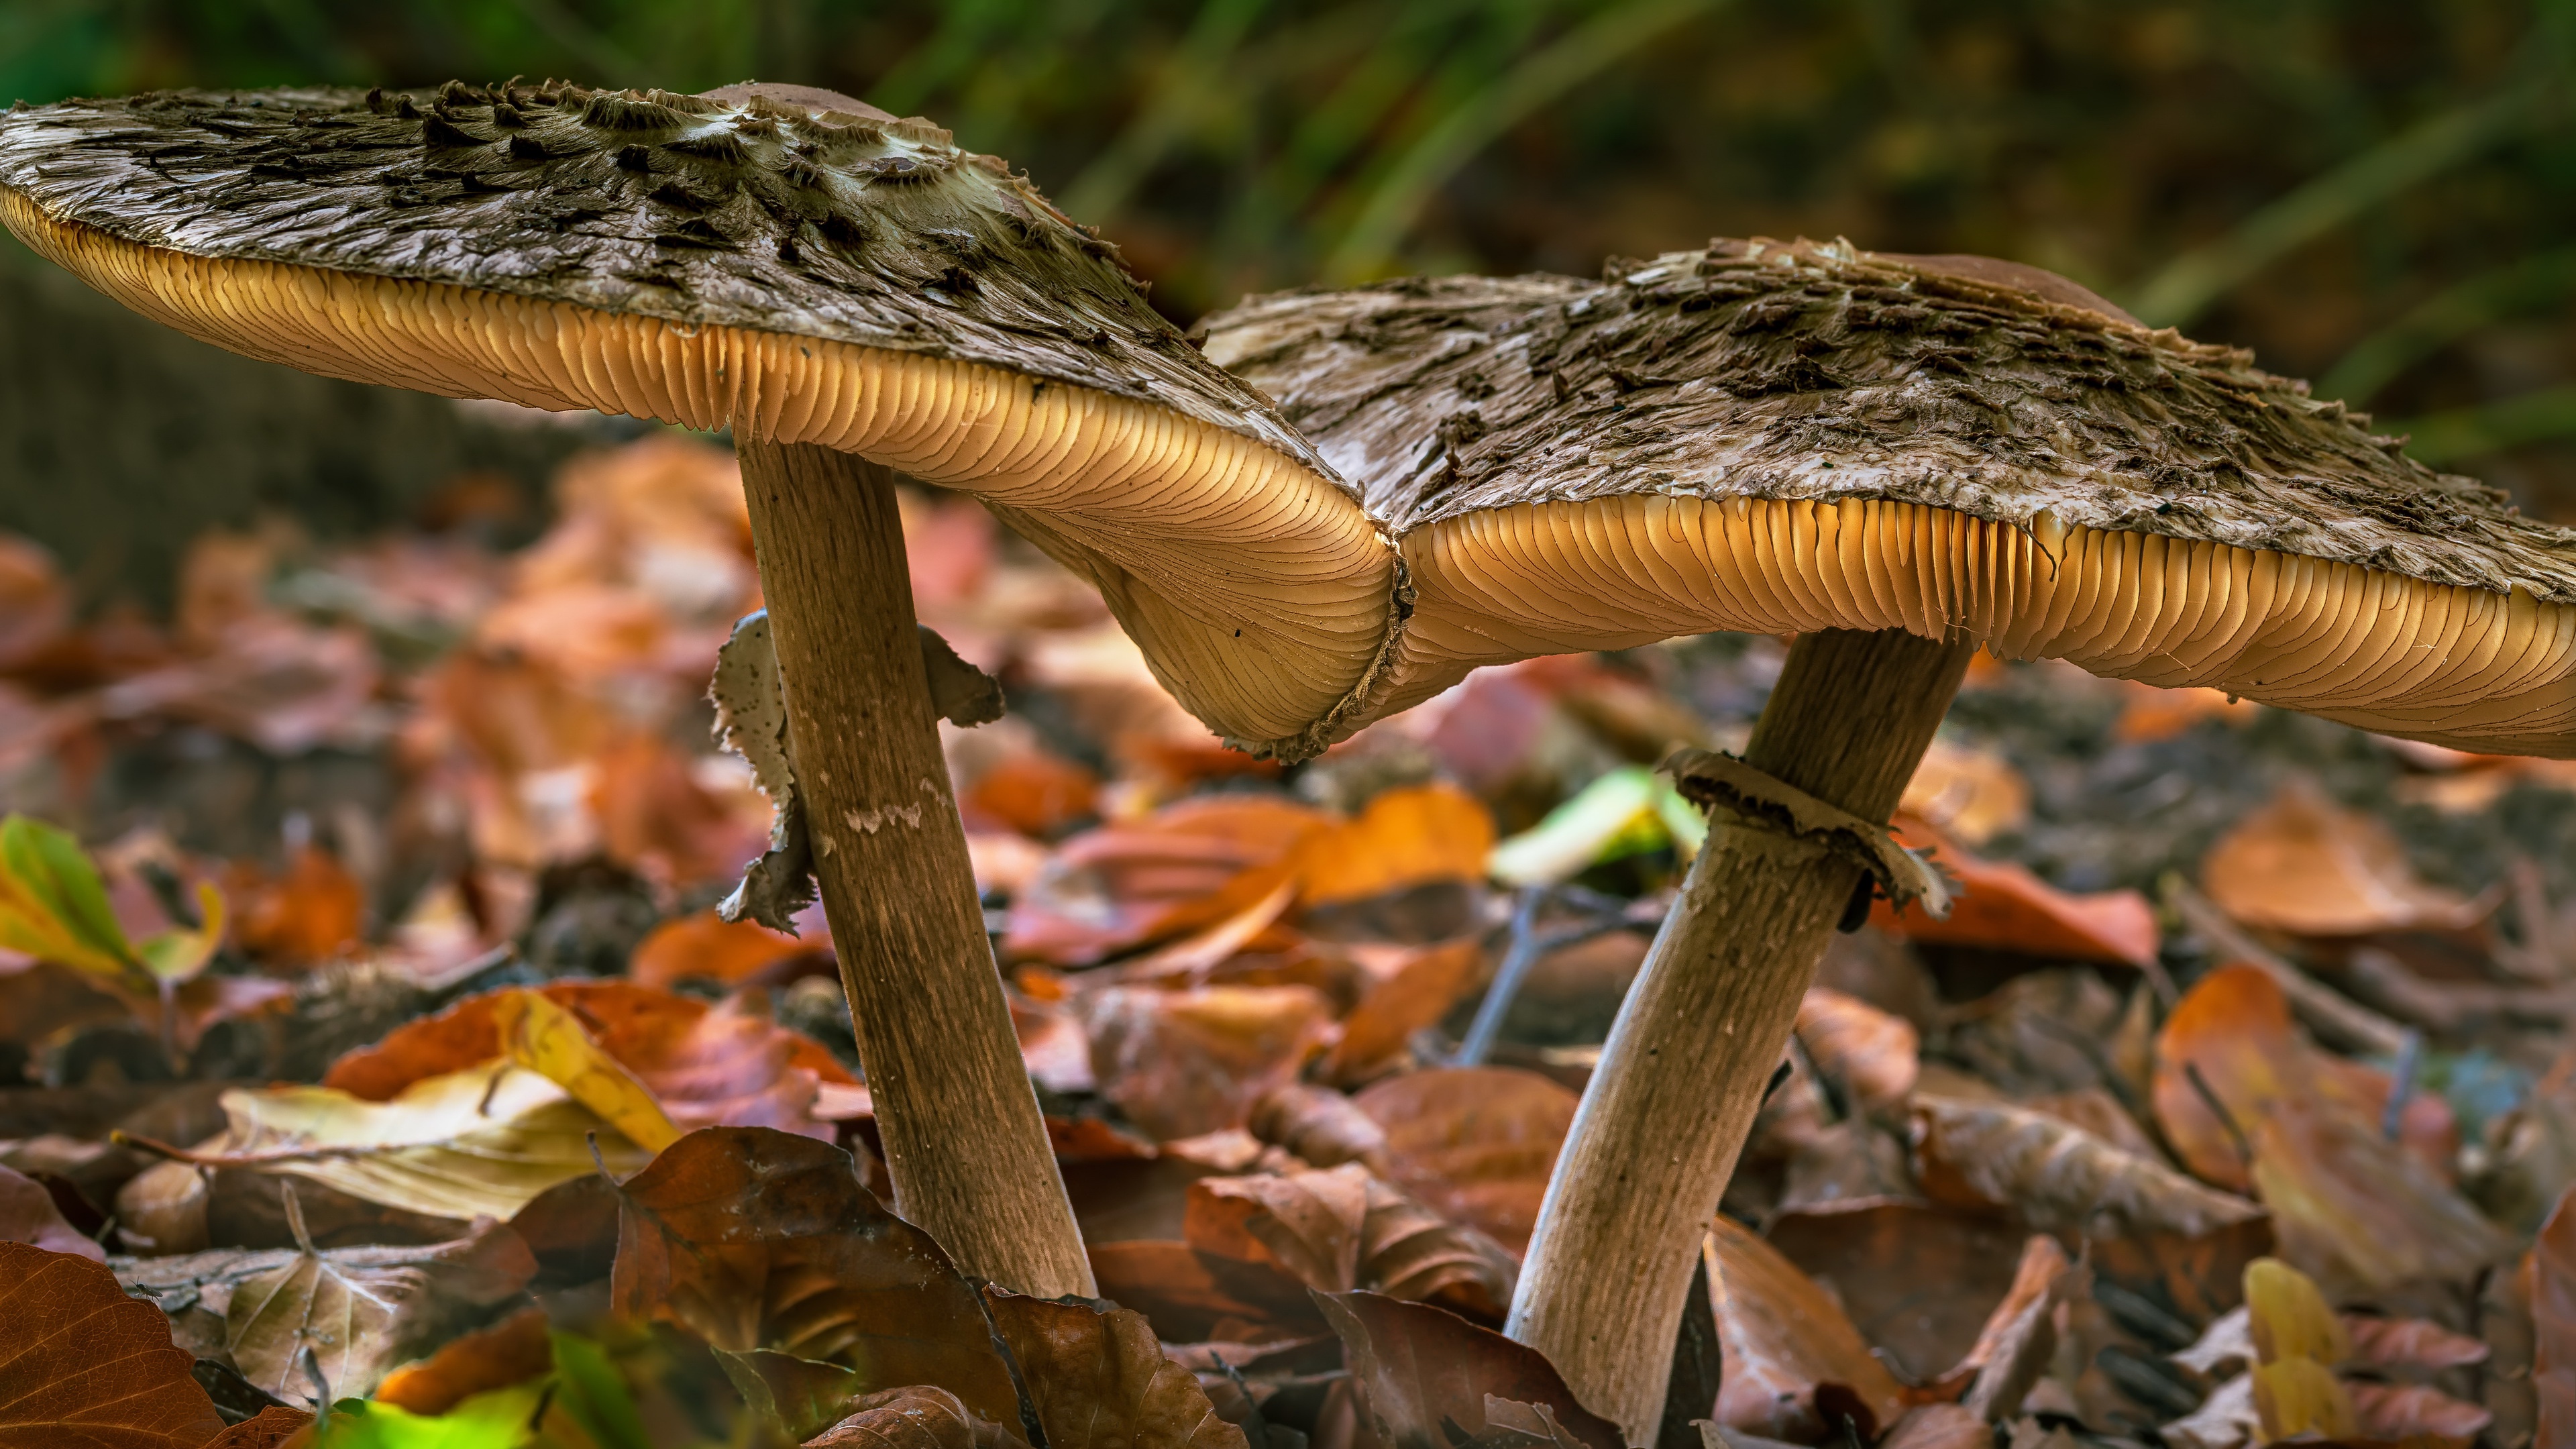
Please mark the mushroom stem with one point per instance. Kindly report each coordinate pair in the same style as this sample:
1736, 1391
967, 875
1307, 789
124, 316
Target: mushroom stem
1601, 1292
964, 1142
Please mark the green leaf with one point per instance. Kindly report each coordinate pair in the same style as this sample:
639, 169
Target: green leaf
1625, 812
53, 906
590, 1390
499, 1419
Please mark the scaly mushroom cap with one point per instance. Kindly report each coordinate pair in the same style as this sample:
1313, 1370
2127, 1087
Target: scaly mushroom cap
788, 263
1788, 437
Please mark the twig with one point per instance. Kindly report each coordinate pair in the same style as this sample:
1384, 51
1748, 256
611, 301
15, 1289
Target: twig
2343, 1021
1522, 954
2401, 1084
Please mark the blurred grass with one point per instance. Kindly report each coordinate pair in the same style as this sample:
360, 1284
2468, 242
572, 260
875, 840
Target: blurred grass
2381, 192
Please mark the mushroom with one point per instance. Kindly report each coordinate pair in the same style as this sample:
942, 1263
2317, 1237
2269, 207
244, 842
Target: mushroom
1898, 459
850, 293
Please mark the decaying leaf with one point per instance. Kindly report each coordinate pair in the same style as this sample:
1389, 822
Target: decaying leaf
1337, 1229
1377, 1036
1918, 1281
1405, 837
1474, 1144
2411, 1413
704, 1065
482, 1142
1785, 1339
2002, 906
2303, 865
1184, 1063
1869, 1054
1408, 1251
1187, 866
2057, 1176
1427, 1375
83, 1365
1098, 1378
914, 1417
1318, 1124
359, 1311
758, 1239
706, 947
544, 1038
28, 1215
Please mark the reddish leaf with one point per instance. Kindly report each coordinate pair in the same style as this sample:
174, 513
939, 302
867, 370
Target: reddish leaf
1785, 1340
1869, 1053
1195, 1297
1320, 1125
2303, 865
1404, 837
1183, 1063
657, 819
1474, 1144
1099, 1380
313, 911
2002, 906
1305, 1223
82, 1366
28, 1215
1034, 793
759, 1239
1423, 1370
704, 947
1181, 869
2402, 1412
1919, 1282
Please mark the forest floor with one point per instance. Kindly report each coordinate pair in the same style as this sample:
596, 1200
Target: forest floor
2235, 1100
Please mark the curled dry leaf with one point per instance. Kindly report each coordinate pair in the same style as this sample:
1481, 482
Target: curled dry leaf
1341, 1228
1870, 1055
726, 1064
1196, 1297
2417, 1342
1474, 1144
476, 1143
1318, 1124
2001, 906
2303, 865
758, 1239
2356, 1211
544, 1038
1408, 1251
1974, 795
1940, 1426
359, 1311
2549, 1282
1784, 1339
82, 1366
916, 1416
1426, 1375
1179, 870
2403, 1413
28, 1215
2013, 1350
2057, 1176
1917, 1280
1097, 1378
1183, 1063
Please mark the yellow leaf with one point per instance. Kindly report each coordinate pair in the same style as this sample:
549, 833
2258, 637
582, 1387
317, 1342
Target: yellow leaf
52, 905
550, 1041
2289, 1315
175, 956
2302, 1396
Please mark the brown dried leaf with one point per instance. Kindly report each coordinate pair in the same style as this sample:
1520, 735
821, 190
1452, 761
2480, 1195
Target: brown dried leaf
753, 1238
1474, 1144
1195, 1297
1916, 1280
1870, 1054
274, 1427
1306, 1223
2303, 865
1098, 1379
28, 1215
2402, 1412
82, 1366
1183, 1063
1318, 1124
2416, 1342
1408, 1251
914, 1417
362, 1310
1784, 1340
705, 947
1183, 868
1423, 1371
2549, 1282
1409, 836
1377, 1036
2056, 1176
1939, 1426
2001, 906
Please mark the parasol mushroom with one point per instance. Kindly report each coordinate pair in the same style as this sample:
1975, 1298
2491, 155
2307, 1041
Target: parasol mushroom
849, 293
1898, 459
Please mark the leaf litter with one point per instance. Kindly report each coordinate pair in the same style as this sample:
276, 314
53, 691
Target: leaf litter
2231, 1103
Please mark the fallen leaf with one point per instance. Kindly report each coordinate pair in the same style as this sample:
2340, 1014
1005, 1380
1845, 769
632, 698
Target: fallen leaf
312, 911
1916, 1280
1869, 1054
1133, 883
2409, 1342
357, 1313
1411, 836
1305, 1223
1474, 1144
1970, 794
1377, 1035
1628, 811
1194, 1297
28, 1215
1423, 1370
82, 1366
1098, 1379
272, 1428
1182, 1063
35, 602
704, 947
479, 1142
2160, 714
2549, 1281
706, 1065
2402, 1413
1033, 792
659, 819
2013, 1349
2058, 1177
758, 1239
1939, 1426
2225, 1420
54, 907
1408, 1251
2303, 865
546, 1039
512, 1351
1784, 1340
913, 1417
2001, 906
1318, 1124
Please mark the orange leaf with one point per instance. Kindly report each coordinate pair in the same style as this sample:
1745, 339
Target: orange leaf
1378, 1034
1784, 1340
81, 1364
312, 912
2002, 906
1404, 837
2303, 865
1475, 1144
1181, 1063
1034, 793
703, 946
1868, 1052
512, 1351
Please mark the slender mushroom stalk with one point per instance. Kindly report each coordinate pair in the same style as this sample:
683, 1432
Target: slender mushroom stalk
847, 292
1895, 459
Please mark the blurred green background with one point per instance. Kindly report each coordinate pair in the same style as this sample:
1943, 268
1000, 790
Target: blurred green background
2380, 194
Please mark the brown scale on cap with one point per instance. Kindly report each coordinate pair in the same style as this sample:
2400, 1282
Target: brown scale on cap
1788, 437
787, 262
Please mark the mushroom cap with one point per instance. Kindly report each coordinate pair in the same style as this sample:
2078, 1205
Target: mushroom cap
1782, 437
786, 262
